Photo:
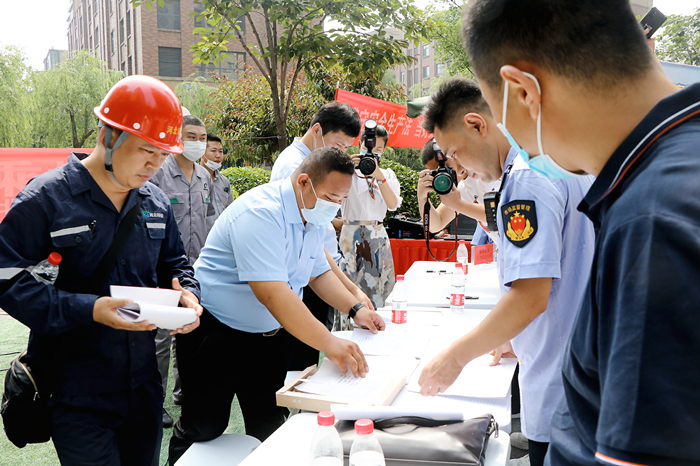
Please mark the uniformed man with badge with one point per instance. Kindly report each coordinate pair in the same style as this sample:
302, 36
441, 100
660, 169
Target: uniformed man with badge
545, 254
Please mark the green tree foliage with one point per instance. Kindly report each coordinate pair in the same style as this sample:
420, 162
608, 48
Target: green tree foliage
292, 36
15, 98
243, 179
64, 100
241, 111
680, 40
194, 96
447, 34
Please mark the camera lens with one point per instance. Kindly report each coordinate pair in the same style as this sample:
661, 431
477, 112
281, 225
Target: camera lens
367, 165
442, 183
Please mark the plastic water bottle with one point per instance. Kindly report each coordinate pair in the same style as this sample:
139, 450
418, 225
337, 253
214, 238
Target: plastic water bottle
326, 447
457, 289
46, 271
463, 256
365, 450
399, 301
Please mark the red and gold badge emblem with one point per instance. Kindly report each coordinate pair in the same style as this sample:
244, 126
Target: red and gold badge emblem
519, 221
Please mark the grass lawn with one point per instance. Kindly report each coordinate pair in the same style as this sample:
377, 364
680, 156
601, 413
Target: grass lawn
13, 338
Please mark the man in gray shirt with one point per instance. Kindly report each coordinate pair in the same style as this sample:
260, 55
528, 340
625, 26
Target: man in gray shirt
188, 186
221, 196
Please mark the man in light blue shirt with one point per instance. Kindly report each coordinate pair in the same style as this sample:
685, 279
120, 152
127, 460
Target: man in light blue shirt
545, 254
335, 125
261, 252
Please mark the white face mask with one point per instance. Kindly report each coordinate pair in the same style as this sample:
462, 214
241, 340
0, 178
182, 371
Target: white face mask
211, 165
194, 150
323, 212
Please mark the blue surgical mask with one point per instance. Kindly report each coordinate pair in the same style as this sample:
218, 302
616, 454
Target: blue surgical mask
542, 163
322, 213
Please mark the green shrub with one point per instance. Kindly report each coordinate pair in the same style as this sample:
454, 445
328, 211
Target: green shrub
243, 179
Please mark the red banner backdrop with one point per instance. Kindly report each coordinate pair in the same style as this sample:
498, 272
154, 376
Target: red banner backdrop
18, 166
403, 130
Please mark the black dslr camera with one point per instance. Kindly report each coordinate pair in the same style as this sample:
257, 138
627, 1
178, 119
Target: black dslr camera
368, 161
443, 176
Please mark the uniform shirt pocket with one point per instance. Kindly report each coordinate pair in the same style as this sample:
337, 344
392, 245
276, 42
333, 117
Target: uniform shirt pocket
71, 236
180, 204
156, 230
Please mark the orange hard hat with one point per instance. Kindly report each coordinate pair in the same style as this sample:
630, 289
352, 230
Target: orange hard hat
147, 108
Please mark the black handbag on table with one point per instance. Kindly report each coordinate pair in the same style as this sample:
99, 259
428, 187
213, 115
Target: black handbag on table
24, 407
412, 440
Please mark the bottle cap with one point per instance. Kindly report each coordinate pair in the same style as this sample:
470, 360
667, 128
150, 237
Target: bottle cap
458, 265
462, 242
399, 278
364, 426
55, 258
325, 418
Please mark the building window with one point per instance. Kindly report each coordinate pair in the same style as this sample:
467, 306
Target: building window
123, 68
121, 31
410, 78
402, 77
170, 62
232, 66
94, 8
89, 11
439, 69
90, 45
416, 76
112, 42
97, 37
111, 6
129, 66
128, 24
169, 15
426, 50
426, 72
199, 8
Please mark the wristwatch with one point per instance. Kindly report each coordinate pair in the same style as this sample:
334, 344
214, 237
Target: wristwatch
354, 309
380, 182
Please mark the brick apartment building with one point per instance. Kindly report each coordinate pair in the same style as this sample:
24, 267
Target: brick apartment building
155, 42
418, 77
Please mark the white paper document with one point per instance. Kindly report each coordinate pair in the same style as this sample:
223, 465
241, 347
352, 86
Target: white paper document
477, 380
330, 381
406, 341
355, 412
156, 305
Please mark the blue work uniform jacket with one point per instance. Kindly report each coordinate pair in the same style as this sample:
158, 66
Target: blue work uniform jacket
65, 211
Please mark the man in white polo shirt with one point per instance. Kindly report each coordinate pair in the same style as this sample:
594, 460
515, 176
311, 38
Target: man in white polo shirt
259, 255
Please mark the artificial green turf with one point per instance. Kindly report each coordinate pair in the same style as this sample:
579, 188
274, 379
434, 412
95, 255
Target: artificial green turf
13, 338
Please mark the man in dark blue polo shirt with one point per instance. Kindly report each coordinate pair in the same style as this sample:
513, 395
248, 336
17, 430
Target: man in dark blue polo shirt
585, 94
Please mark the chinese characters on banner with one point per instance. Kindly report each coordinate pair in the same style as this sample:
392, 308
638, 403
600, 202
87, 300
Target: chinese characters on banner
18, 166
403, 130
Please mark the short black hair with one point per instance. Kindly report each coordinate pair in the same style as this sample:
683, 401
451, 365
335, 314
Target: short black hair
213, 137
324, 160
191, 120
596, 43
381, 133
337, 116
427, 154
454, 98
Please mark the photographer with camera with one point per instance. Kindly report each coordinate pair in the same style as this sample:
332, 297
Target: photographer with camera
470, 198
367, 258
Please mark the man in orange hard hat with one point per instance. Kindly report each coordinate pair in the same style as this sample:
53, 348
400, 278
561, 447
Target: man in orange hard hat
100, 369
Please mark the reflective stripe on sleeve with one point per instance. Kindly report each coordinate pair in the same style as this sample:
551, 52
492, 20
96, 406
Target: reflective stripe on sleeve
70, 231
10, 272
606, 459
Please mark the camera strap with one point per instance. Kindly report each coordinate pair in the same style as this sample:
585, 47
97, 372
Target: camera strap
426, 231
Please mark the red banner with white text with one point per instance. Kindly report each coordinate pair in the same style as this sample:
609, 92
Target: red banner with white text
18, 166
403, 130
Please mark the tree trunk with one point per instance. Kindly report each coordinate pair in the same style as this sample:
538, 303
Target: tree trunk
74, 130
